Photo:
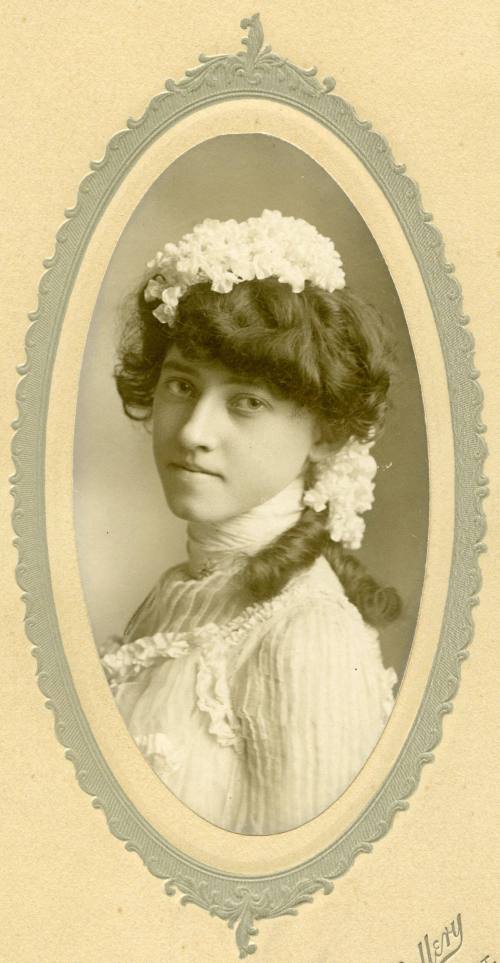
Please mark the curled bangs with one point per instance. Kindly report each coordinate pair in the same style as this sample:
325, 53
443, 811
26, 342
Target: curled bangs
253, 330
326, 352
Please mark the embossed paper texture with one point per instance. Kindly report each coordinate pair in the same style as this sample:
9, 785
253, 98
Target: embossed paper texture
425, 79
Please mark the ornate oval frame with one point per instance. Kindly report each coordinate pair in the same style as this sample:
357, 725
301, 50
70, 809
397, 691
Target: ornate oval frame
255, 72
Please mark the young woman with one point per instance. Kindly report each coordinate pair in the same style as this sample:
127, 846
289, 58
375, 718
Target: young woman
251, 676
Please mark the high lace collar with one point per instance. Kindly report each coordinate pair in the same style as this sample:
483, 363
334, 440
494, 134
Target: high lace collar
211, 544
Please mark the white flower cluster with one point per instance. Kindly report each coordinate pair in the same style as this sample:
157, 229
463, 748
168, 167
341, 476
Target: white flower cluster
344, 483
229, 252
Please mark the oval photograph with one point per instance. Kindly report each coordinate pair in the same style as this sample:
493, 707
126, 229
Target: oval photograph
251, 484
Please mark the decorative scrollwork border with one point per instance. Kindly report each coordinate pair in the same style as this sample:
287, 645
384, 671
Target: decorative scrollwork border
253, 72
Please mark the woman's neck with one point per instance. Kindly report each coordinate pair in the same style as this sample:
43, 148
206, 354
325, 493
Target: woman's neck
210, 544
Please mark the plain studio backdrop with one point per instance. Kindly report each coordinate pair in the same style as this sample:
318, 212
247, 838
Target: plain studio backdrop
126, 535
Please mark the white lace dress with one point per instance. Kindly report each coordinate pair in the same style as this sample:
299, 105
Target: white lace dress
256, 717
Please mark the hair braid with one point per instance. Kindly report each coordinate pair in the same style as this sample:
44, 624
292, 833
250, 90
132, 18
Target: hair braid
266, 573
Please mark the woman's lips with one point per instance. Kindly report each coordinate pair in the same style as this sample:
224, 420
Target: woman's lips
193, 469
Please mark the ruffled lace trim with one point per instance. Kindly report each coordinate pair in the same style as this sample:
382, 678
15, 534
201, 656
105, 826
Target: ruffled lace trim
124, 663
212, 643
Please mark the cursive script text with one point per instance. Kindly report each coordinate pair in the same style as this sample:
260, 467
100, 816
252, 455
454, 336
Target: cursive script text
444, 946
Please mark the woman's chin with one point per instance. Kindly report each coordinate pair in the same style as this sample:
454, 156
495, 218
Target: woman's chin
193, 497
191, 510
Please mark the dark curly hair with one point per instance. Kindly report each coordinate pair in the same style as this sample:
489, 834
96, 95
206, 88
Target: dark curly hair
327, 351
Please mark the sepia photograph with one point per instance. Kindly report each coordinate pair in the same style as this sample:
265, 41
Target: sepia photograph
251, 484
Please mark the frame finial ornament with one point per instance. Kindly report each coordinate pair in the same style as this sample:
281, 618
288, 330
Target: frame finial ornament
253, 65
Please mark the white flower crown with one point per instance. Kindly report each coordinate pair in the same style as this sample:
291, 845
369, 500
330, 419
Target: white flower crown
229, 252
288, 248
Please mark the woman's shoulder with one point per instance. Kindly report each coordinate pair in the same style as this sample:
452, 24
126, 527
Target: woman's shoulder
316, 628
320, 579
315, 638
317, 588
311, 618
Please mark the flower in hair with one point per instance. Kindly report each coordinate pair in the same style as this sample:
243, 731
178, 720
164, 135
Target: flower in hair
229, 252
344, 483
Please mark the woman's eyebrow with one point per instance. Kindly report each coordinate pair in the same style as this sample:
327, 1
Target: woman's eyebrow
178, 366
233, 379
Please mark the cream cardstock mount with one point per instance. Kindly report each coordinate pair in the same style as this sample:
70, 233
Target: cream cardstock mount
255, 72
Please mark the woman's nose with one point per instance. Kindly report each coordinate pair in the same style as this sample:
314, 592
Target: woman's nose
202, 427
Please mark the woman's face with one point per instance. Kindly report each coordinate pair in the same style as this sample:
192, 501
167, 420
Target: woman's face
222, 443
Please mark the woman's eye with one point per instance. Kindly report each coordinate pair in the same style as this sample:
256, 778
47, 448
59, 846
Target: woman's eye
249, 404
178, 387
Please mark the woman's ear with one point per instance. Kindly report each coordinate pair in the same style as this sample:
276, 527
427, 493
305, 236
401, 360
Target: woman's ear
319, 450
320, 446
324, 443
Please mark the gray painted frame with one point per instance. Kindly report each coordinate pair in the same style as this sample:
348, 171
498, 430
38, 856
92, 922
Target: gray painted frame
255, 72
